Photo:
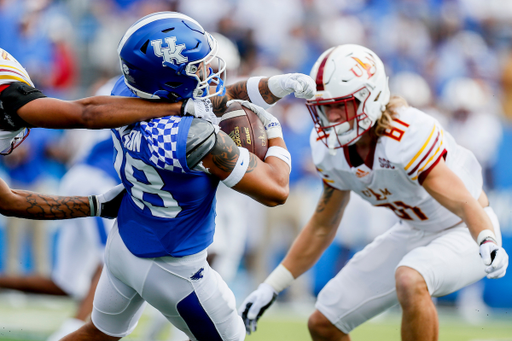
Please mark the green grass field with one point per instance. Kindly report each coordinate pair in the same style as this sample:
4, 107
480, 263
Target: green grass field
33, 318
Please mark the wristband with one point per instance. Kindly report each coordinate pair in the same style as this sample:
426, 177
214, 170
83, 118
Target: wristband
253, 91
92, 205
280, 153
274, 85
240, 168
486, 234
280, 278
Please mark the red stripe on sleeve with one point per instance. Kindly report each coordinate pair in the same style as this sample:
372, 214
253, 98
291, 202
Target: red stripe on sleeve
424, 174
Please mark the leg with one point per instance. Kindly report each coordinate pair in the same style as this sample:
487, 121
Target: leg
321, 329
34, 284
89, 332
85, 308
419, 316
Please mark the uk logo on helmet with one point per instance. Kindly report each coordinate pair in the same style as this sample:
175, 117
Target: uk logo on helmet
170, 53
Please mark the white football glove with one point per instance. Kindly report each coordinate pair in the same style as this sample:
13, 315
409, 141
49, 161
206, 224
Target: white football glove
301, 85
106, 205
200, 108
255, 305
494, 257
270, 122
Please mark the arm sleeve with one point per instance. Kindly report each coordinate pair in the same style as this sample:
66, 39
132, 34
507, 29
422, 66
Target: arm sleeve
420, 147
12, 98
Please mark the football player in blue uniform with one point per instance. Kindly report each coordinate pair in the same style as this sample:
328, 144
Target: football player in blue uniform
171, 166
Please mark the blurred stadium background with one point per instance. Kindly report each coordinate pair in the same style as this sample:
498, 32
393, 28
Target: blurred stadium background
450, 58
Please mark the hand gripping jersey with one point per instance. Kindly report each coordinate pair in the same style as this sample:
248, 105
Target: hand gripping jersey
171, 209
392, 174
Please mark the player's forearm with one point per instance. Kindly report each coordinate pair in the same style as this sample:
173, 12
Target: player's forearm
308, 248
30, 205
110, 111
239, 91
476, 219
97, 112
266, 182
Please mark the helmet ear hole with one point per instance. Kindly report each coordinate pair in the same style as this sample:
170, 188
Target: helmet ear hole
173, 85
144, 47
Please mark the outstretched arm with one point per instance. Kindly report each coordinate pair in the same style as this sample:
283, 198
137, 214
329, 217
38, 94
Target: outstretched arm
266, 91
449, 190
307, 248
30, 205
24, 106
93, 112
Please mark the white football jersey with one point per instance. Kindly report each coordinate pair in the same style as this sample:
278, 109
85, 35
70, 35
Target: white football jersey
392, 174
12, 71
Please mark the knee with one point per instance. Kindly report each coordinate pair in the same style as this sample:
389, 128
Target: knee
409, 284
321, 328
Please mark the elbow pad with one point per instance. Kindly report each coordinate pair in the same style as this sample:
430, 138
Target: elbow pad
201, 139
12, 98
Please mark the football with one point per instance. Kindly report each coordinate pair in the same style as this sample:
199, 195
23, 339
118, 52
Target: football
245, 128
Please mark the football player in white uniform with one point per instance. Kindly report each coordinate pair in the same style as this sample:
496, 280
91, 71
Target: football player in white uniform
393, 156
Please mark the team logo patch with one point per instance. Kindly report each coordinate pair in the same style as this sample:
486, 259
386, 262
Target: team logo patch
171, 53
385, 163
198, 275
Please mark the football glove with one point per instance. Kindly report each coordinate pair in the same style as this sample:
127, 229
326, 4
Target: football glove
494, 257
270, 122
200, 108
106, 205
255, 305
301, 85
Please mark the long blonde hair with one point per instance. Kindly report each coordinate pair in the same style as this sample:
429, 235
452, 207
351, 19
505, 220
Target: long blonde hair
384, 122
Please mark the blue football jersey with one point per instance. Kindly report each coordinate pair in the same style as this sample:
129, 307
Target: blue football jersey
170, 209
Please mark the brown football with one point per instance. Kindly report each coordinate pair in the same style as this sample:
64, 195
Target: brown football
245, 128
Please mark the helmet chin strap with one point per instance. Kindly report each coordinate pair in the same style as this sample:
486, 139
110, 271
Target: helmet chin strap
332, 140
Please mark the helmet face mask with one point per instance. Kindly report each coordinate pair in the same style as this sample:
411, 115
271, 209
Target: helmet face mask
164, 56
345, 74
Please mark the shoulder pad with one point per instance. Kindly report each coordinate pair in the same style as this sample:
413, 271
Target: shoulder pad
200, 141
12, 98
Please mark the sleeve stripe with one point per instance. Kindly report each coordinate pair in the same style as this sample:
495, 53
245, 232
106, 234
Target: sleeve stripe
429, 160
15, 69
426, 155
10, 77
421, 150
424, 174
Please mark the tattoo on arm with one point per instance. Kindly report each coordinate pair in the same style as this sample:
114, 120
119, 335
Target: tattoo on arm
265, 92
324, 199
253, 163
39, 206
234, 91
325, 202
239, 91
225, 153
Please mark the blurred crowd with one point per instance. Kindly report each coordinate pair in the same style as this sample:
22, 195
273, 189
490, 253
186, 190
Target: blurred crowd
450, 58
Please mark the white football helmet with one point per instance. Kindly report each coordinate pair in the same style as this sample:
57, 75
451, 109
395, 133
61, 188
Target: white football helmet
348, 73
